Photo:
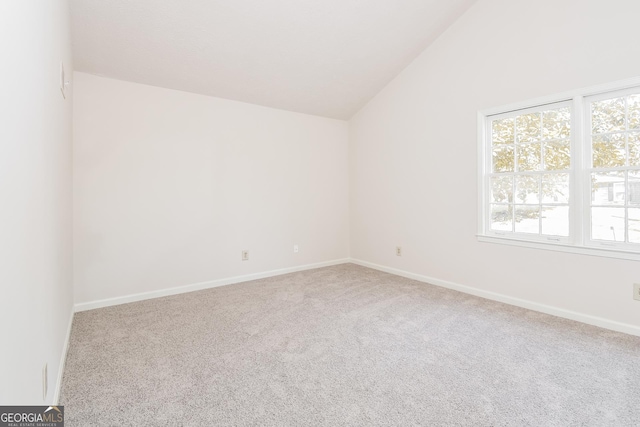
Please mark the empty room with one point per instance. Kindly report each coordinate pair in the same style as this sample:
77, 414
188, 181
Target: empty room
331, 213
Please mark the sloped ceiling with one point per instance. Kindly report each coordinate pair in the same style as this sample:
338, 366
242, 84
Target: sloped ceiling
321, 57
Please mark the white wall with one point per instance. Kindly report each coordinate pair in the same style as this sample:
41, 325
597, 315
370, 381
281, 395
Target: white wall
413, 148
35, 198
170, 187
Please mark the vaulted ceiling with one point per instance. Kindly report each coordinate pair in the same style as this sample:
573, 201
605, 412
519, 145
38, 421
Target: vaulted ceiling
322, 57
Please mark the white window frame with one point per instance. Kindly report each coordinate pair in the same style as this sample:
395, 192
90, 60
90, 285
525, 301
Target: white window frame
579, 240
623, 246
534, 237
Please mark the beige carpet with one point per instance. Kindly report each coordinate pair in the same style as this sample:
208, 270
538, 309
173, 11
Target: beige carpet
344, 346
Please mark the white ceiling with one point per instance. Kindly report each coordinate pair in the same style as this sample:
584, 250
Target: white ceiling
322, 57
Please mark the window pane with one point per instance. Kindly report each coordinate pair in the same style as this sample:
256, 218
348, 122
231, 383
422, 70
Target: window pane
557, 155
633, 105
501, 217
609, 150
502, 131
634, 225
634, 148
528, 157
528, 127
503, 158
607, 224
528, 189
634, 188
558, 115
528, 219
608, 115
607, 188
502, 189
555, 188
556, 124
555, 220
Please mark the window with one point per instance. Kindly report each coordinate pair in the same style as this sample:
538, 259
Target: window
530, 165
614, 134
564, 171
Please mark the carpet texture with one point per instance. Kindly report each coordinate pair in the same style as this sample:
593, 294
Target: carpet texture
344, 346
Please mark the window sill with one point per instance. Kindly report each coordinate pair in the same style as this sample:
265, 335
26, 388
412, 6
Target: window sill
562, 247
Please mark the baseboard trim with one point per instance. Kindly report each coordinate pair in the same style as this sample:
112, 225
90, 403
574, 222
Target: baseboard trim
63, 359
200, 286
543, 308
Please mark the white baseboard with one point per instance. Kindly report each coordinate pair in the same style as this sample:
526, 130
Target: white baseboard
200, 286
543, 308
63, 359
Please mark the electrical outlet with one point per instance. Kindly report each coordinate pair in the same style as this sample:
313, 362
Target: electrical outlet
296, 249
245, 255
45, 381
636, 291
398, 250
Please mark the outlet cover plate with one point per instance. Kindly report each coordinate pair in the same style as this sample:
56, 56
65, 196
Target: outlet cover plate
636, 291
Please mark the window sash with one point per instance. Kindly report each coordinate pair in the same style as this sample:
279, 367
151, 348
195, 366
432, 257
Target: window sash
591, 170
487, 203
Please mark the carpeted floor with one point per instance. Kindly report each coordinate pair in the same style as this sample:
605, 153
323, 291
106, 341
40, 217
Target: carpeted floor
344, 346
